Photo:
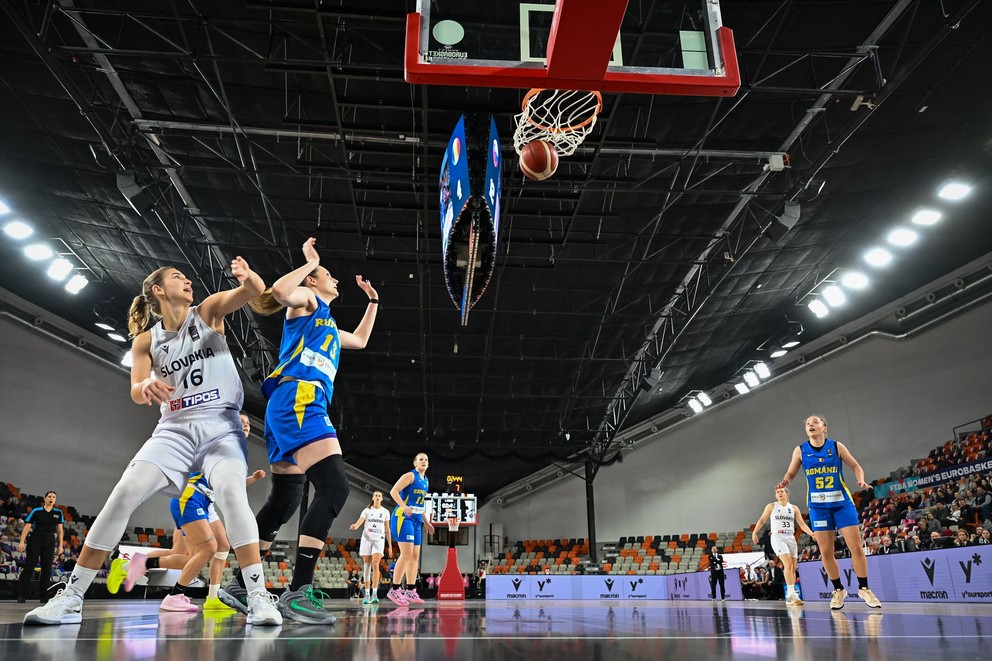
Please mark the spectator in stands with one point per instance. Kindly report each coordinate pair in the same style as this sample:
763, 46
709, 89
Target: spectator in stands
547, 569
931, 542
913, 544
961, 539
911, 513
967, 513
932, 524
983, 502
887, 547
984, 538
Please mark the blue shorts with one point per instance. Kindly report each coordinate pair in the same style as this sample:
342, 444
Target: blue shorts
295, 416
832, 518
197, 509
405, 529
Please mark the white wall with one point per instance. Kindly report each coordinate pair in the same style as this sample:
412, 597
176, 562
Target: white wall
67, 423
888, 401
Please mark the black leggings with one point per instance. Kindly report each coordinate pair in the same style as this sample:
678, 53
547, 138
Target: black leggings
40, 547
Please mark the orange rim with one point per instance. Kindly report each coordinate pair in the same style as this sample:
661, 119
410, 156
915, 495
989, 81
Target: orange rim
571, 128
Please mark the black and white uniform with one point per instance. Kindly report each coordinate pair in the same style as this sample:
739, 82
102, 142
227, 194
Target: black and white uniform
374, 536
783, 527
199, 426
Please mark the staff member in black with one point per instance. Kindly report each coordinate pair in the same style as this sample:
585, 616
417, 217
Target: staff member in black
717, 574
44, 524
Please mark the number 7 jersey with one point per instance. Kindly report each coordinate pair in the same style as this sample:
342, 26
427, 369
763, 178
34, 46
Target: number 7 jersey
310, 351
196, 362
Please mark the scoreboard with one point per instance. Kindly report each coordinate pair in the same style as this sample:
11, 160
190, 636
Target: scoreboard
449, 505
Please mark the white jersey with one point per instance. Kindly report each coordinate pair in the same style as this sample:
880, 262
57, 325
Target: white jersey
196, 362
783, 520
376, 522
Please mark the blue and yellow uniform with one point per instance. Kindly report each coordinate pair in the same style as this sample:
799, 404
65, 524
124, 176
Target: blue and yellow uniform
194, 502
410, 529
830, 504
299, 390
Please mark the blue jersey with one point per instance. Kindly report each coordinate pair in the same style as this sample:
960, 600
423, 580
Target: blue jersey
824, 475
415, 495
310, 351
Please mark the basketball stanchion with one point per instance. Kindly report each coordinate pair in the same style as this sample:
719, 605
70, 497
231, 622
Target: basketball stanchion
451, 586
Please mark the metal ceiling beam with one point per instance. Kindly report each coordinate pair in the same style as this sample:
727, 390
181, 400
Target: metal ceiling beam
701, 281
242, 326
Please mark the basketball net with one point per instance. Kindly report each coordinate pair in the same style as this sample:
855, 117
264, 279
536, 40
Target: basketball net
450, 586
561, 117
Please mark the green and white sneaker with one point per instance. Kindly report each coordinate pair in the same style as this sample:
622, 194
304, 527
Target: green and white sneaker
305, 605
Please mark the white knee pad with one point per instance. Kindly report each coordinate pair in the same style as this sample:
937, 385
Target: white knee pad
228, 481
139, 482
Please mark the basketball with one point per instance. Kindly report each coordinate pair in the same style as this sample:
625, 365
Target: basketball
538, 160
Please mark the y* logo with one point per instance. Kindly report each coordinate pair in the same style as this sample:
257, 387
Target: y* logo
516, 583
609, 584
977, 559
541, 584
929, 566
448, 33
634, 584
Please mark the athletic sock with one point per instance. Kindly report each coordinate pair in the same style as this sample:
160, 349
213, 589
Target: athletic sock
212, 591
152, 563
862, 582
253, 577
837, 584
178, 588
81, 579
306, 562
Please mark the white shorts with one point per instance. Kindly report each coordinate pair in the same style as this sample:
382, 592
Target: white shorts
369, 547
785, 545
212, 514
198, 440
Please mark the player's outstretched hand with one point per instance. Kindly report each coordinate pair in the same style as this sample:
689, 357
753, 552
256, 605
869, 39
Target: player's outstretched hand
366, 287
353, 526
310, 251
240, 269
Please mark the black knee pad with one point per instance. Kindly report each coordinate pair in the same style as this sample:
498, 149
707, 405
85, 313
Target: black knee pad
330, 485
283, 502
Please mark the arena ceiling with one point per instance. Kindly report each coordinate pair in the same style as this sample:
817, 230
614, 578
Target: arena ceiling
253, 125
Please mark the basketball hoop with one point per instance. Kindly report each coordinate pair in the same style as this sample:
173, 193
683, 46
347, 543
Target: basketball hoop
453, 524
562, 117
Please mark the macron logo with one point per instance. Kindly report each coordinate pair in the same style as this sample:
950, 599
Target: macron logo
929, 566
516, 583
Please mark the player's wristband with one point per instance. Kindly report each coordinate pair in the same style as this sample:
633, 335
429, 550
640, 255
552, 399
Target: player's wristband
374, 301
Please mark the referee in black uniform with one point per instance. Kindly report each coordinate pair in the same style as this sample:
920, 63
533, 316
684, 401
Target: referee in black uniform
44, 524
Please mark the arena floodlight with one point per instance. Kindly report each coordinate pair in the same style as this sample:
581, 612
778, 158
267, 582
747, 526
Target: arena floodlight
854, 280
818, 307
59, 268
4, 209
878, 257
742, 388
926, 217
902, 237
777, 351
695, 405
762, 370
704, 399
116, 337
76, 284
834, 296
38, 252
106, 327
751, 379
127, 359
954, 190
18, 229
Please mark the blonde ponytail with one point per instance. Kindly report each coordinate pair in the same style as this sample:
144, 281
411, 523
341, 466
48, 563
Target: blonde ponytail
145, 305
137, 316
265, 303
